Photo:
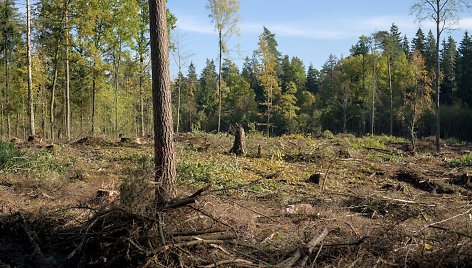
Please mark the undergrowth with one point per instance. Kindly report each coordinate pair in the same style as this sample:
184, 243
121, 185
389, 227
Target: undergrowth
9, 155
204, 171
463, 161
13, 159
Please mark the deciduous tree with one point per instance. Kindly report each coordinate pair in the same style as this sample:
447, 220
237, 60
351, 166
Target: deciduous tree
444, 13
224, 13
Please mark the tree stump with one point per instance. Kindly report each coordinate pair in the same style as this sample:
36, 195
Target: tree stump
238, 145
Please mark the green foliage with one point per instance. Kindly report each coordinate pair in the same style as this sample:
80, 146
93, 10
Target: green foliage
9, 155
204, 171
328, 134
42, 160
372, 142
463, 161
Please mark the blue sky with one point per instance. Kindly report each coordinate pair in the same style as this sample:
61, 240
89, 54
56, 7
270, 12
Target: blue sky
308, 29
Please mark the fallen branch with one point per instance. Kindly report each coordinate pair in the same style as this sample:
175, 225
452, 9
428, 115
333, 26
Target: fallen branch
185, 201
445, 220
355, 243
198, 242
452, 231
291, 261
224, 263
254, 211
213, 218
37, 256
191, 233
400, 200
81, 244
205, 237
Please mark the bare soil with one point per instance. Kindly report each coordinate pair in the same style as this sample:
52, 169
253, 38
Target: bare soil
382, 205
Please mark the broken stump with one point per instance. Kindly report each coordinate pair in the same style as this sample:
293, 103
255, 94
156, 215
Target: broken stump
238, 145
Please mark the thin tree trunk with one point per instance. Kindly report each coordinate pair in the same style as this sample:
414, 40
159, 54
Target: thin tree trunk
2, 118
372, 119
67, 101
391, 94
94, 100
438, 78
269, 107
24, 106
117, 59
30, 80
363, 110
141, 94
412, 137
219, 78
344, 118
165, 175
179, 86
81, 118
43, 114
53, 93
17, 125
7, 86
64, 115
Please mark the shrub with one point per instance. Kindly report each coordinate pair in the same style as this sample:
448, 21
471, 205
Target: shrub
463, 161
9, 155
328, 134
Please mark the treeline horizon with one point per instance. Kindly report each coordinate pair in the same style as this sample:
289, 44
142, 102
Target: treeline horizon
101, 51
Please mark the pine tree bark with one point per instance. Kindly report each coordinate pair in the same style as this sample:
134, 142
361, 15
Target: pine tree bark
117, 60
7, 86
164, 160
30, 79
372, 119
141, 94
53, 94
438, 77
68, 110
389, 66
94, 99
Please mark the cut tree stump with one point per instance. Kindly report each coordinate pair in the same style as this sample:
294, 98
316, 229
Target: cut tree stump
238, 145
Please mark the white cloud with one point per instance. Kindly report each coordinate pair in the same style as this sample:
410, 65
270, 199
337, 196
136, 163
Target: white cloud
193, 24
465, 23
337, 29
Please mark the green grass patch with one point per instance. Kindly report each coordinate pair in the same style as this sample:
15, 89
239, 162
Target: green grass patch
194, 168
374, 142
463, 161
9, 155
13, 159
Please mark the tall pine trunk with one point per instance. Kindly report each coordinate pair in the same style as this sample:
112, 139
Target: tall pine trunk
117, 59
7, 87
164, 160
219, 78
30, 79
67, 101
438, 77
141, 95
391, 93
94, 99
53, 94
372, 119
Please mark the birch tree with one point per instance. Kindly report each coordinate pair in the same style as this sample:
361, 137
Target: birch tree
444, 13
224, 14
